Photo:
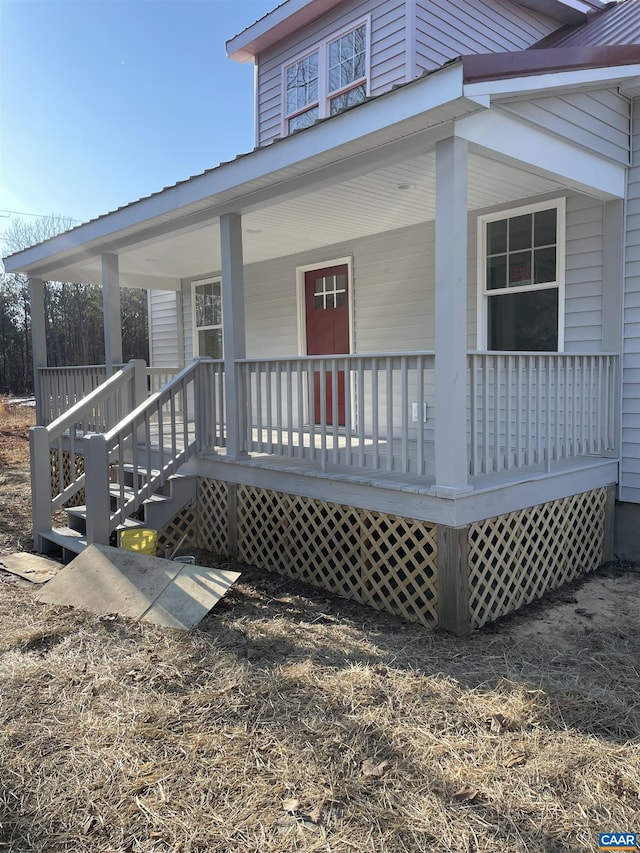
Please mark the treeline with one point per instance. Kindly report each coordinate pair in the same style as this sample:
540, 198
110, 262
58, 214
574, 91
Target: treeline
73, 316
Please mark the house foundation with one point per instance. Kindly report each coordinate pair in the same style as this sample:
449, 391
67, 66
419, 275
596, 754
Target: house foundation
455, 578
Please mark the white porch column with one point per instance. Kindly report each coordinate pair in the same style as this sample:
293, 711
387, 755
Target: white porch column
451, 318
233, 329
111, 311
38, 340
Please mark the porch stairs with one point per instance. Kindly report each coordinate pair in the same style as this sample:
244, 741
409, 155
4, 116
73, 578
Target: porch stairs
156, 512
124, 449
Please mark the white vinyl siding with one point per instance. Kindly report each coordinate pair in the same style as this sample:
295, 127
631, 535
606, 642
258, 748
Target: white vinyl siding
599, 121
394, 286
630, 467
387, 60
583, 275
448, 29
163, 329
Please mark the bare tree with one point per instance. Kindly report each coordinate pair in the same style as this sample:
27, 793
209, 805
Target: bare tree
73, 313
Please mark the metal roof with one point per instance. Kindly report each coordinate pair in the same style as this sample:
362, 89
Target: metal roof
616, 24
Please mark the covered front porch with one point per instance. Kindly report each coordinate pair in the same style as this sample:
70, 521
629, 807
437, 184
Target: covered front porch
416, 416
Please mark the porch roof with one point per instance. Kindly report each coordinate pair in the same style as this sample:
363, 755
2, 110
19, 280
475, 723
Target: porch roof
365, 171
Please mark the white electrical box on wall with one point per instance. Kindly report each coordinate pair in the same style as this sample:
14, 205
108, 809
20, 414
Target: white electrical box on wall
414, 413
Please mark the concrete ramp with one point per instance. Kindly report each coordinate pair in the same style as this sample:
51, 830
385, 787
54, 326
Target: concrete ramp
108, 580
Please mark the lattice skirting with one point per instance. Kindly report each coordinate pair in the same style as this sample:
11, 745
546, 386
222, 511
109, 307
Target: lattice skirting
391, 563
381, 560
212, 508
70, 462
181, 532
515, 558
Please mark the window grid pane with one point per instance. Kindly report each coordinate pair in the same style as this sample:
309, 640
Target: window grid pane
521, 252
302, 120
330, 292
348, 99
302, 83
516, 253
347, 59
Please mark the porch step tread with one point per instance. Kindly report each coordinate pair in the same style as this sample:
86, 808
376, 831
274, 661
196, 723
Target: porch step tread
129, 468
81, 512
67, 538
115, 491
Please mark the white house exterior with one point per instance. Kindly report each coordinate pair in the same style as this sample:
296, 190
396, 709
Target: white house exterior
413, 310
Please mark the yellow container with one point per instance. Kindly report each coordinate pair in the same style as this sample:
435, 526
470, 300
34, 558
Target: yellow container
140, 539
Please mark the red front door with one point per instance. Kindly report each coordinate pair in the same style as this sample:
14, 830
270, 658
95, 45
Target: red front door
327, 315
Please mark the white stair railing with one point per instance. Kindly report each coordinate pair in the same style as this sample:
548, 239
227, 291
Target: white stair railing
56, 476
63, 387
134, 460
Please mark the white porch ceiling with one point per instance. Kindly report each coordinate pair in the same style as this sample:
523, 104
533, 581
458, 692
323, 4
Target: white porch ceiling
383, 199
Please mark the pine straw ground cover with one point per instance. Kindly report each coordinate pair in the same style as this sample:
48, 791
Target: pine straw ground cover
294, 721
291, 721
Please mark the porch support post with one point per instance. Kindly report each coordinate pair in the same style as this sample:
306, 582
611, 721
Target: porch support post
38, 341
233, 329
451, 465
454, 615
111, 311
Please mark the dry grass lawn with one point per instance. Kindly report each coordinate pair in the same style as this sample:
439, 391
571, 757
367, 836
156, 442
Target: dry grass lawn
294, 721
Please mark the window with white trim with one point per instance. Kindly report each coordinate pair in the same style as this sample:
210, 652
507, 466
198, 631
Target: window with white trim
521, 275
207, 318
330, 78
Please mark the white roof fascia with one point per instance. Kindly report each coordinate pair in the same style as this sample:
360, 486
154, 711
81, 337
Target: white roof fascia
273, 26
263, 164
536, 83
568, 11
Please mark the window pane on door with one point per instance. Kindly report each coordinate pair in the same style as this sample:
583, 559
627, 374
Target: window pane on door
525, 321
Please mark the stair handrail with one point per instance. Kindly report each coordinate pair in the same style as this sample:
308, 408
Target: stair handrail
98, 395
43, 439
105, 450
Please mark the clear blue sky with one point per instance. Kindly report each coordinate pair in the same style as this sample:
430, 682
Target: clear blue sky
105, 101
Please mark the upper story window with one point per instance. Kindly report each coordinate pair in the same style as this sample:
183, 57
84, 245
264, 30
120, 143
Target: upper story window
334, 75
521, 270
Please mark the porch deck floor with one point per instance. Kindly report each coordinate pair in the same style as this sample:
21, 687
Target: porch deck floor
331, 462
372, 463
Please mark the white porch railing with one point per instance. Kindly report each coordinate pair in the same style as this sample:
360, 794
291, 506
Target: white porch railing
133, 461
55, 476
159, 376
364, 411
62, 387
529, 409
145, 439
371, 412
